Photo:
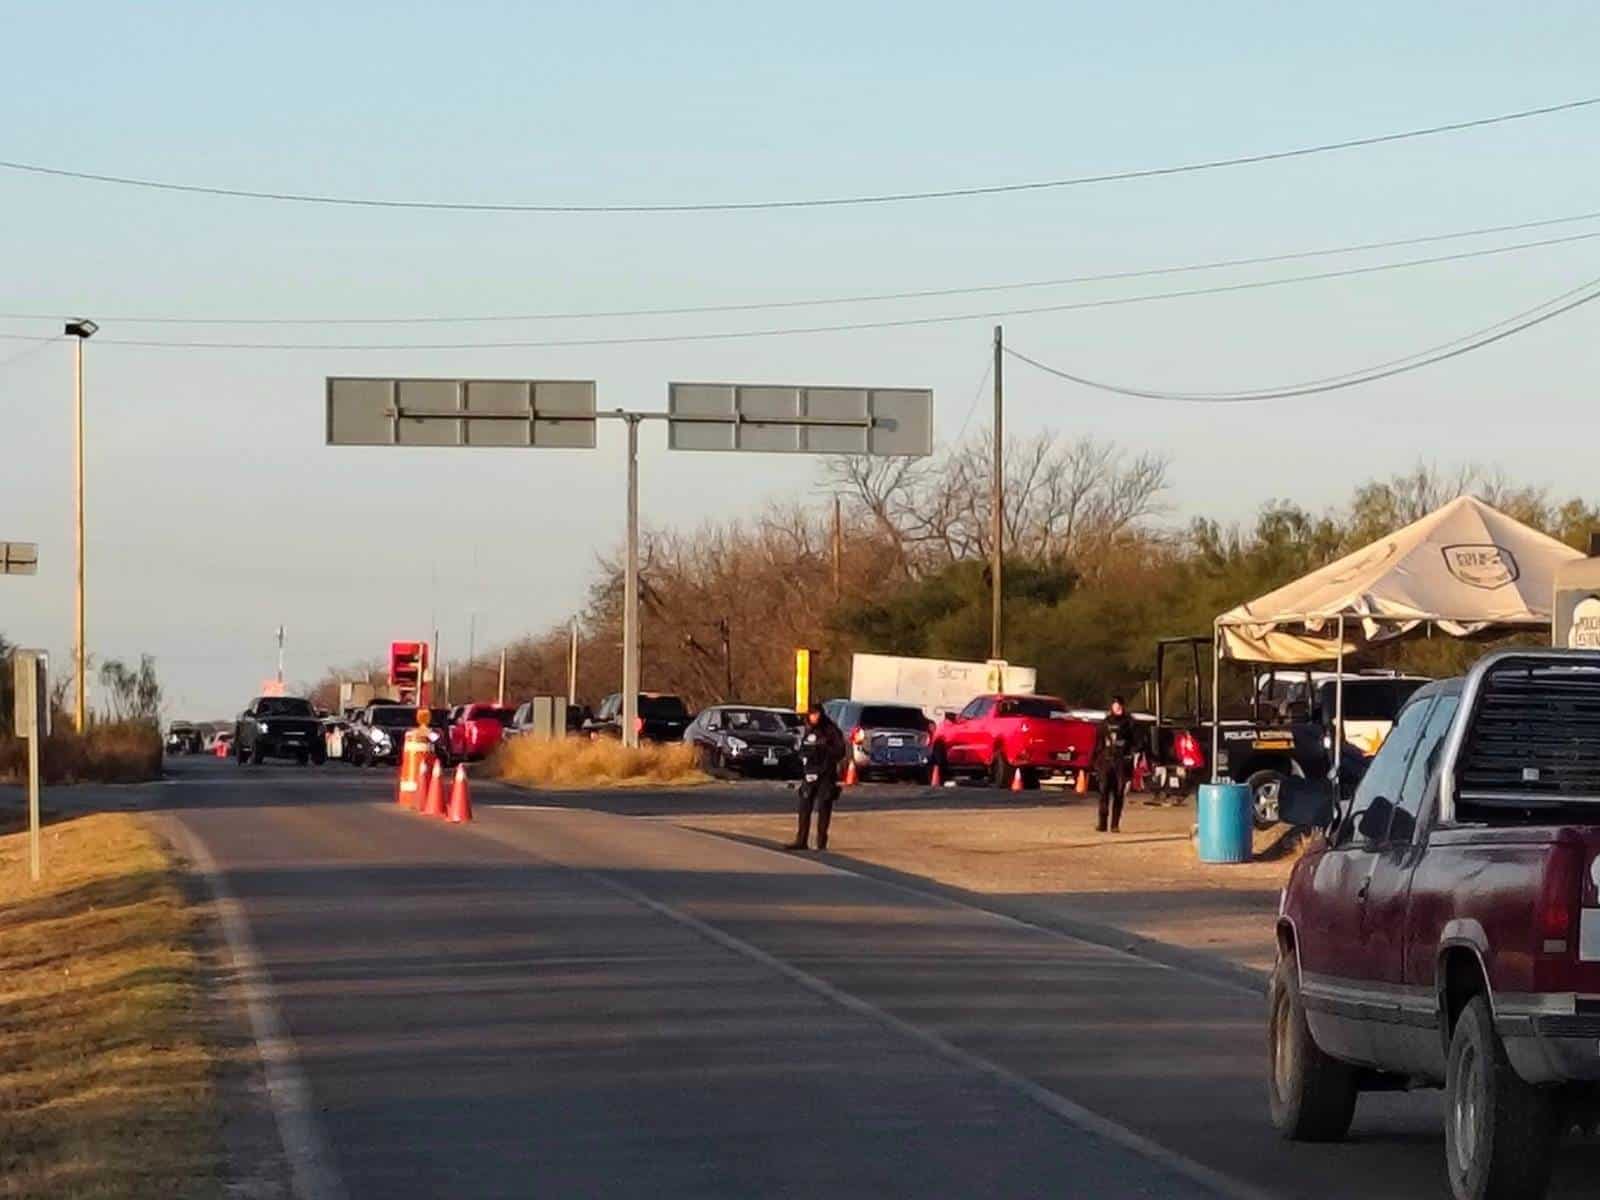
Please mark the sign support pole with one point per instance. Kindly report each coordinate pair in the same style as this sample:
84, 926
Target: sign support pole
630, 595
79, 664
33, 803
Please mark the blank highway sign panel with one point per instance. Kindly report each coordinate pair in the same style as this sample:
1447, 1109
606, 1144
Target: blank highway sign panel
803, 420
539, 413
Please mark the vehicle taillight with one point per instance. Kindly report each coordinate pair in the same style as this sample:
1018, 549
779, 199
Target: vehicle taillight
1188, 750
1562, 897
858, 735
638, 724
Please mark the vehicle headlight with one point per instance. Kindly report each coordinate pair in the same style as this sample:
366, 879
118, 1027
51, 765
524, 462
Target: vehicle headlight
262, 726
380, 737
738, 745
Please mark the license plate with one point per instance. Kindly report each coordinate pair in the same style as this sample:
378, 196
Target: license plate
771, 759
1063, 756
897, 741
811, 778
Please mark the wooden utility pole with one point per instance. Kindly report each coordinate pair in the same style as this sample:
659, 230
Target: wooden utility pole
500, 696
997, 499
839, 544
727, 658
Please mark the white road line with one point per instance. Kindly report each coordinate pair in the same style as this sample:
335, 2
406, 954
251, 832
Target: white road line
312, 1174
1052, 1102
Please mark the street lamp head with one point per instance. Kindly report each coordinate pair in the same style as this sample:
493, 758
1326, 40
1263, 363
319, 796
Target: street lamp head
82, 328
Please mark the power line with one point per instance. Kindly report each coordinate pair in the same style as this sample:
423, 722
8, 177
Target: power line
820, 301
841, 327
1591, 292
810, 202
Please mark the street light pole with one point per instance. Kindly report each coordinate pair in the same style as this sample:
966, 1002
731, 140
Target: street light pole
83, 330
997, 500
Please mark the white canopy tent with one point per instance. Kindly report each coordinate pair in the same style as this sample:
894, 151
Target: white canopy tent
1464, 569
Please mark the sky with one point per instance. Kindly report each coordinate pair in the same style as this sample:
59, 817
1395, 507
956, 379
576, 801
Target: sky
215, 513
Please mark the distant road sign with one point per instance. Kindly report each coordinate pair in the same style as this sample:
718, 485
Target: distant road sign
803, 420
540, 413
19, 558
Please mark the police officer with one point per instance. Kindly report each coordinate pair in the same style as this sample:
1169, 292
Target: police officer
822, 750
1114, 761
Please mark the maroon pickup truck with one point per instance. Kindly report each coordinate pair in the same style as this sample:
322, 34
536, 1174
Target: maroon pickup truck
1445, 931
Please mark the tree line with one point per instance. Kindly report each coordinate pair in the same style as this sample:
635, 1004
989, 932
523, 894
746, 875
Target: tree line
893, 558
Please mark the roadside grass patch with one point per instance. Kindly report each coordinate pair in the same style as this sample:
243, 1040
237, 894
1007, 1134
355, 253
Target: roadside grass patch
105, 1078
579, 763
113, 752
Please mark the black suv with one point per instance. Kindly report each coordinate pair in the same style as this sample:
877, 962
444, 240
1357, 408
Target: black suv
662, 718
279, 727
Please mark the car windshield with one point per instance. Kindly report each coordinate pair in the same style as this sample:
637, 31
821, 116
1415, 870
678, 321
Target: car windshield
752, 720
1041, 708
662, 708
892, 716
394, 717
284, 706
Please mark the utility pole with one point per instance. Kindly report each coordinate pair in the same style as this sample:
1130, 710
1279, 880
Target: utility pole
630, 595
838, 544
572, 663
83, 330
997, 499
727, 658
280, 656
500, 696
472, 651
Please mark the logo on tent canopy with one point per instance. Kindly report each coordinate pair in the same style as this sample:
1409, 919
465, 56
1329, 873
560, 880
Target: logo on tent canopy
1482, 565
1585, 631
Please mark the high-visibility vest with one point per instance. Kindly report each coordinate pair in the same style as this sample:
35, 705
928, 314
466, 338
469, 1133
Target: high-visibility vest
413, 753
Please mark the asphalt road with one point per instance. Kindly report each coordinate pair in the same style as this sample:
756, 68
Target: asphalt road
564, 1001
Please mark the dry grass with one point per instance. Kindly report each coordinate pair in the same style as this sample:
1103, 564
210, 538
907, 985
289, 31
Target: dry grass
118, 752
580, 763
105, 1079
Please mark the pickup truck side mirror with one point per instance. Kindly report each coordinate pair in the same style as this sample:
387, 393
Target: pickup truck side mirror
952, 718
1373, 823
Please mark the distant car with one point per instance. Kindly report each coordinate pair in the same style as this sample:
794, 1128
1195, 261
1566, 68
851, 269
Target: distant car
184, 738
279, 727
522, 719
377, 733
662, 718
998, 735
476, 729
888, 740
222, 744
746, 739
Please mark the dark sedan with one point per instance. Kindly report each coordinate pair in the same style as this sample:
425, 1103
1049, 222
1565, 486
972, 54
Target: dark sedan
746, 740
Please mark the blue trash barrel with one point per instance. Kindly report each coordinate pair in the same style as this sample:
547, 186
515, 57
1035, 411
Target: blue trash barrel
1225, 822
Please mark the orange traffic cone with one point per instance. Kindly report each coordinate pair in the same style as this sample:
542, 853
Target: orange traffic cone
935, 778
1082, 786
460, 809
434, 807
1016, 780
412, 797
850, 779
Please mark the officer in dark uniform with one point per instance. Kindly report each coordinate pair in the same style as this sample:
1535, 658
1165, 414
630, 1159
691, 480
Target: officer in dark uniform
822, 750
1114, 761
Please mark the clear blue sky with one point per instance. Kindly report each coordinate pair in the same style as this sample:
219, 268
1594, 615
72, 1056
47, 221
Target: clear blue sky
216, 513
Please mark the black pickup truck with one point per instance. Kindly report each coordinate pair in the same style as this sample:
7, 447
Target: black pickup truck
279, 727
1285, 732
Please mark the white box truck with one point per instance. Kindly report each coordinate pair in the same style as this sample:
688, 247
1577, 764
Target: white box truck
935, 685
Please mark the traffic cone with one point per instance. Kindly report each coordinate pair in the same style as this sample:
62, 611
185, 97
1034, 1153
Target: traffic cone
460, 802
1082, 786
1016, 780
412, 797
434, 807
936, 779
850, 779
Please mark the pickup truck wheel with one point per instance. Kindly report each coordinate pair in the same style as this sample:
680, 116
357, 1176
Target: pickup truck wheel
1265, 788
1499, 1132
1312, 1096
999, 770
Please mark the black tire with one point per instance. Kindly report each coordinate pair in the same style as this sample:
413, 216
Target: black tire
1030, 780
999, 770
319, 758
303, 757
1312, 1097
1499, 1132
257, 755
240, 756
1265, 788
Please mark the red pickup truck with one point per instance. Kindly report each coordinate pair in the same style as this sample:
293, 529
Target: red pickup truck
998, 735
476, 729
1445, 931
